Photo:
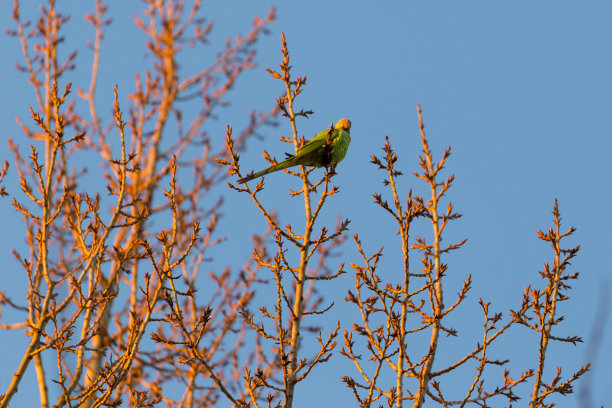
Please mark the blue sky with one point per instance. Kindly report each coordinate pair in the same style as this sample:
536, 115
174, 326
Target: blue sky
520, 90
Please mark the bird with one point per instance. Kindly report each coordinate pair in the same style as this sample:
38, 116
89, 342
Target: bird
317, 152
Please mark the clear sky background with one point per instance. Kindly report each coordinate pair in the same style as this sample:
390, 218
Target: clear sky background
521, 91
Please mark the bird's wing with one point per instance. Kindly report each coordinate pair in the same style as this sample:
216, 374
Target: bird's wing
316, 142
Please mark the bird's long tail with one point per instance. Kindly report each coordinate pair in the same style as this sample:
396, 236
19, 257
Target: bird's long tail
276, 167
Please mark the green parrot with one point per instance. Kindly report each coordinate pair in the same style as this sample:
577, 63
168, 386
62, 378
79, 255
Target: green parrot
316, 152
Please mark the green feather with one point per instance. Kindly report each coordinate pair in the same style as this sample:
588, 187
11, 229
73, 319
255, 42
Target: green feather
317, 152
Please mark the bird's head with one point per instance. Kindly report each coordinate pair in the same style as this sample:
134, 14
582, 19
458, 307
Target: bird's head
343, 124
